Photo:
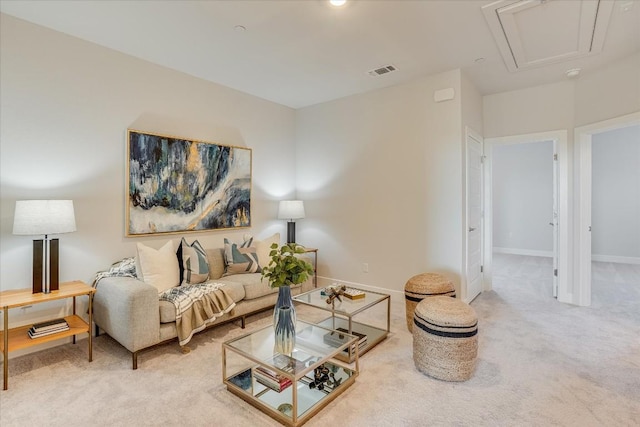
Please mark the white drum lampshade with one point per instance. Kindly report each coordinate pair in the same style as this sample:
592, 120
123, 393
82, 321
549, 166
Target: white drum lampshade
44, 217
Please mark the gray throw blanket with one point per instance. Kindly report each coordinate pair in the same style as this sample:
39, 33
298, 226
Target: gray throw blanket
124, 268
197, 305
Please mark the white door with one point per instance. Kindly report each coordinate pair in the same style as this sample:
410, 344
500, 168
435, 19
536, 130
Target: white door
474, 215
554, 220
584, 136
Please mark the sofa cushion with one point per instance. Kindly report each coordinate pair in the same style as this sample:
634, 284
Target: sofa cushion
254, 286
158, 267
233, 289
240, 259
195, 266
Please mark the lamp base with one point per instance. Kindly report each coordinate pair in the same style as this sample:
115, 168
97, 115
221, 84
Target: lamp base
45, 266
291, 232
38, 265
54, 283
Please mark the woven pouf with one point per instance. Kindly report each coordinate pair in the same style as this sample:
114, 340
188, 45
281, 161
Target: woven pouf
445, 338
423, 286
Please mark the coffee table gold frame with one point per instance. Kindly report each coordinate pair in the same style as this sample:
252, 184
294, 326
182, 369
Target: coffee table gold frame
242, 355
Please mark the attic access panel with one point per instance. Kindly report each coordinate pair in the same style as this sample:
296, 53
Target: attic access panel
532, 33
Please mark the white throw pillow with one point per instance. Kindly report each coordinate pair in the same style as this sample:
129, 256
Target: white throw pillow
159, 267
263, 247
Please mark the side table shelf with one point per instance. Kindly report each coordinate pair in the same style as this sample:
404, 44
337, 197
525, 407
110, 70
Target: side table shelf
18, 338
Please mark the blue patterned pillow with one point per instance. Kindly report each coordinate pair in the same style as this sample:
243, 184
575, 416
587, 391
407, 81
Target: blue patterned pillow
193, 262
240, 259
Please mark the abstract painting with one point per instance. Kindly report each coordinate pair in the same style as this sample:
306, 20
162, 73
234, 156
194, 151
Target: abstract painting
177, 185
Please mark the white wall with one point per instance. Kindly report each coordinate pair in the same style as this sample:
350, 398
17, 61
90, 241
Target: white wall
65, 107
608, 92
522, 193
615, 212
381, 177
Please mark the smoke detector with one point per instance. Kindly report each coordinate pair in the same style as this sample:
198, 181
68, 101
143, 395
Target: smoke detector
573, 73
382, 70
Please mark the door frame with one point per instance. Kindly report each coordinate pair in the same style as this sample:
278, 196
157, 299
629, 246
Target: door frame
583, 136
560, 141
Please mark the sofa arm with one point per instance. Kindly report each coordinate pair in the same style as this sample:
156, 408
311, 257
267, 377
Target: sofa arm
128, 310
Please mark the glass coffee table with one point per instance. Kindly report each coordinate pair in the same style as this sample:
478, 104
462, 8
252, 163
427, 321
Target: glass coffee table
367, 317
290, 388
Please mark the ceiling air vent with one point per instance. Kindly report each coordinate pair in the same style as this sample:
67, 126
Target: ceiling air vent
382, 70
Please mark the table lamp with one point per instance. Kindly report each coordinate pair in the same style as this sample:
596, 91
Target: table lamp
291, 210
44, 217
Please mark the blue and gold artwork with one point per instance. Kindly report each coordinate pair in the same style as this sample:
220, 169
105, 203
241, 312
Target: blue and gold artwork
178, 185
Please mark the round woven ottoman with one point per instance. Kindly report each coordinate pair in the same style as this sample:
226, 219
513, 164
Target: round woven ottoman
423, 286
445, 338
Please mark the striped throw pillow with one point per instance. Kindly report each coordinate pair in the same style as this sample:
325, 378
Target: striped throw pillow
194, 262
240, 259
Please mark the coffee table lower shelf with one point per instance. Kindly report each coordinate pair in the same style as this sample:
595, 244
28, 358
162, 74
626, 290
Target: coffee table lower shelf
374, 335
277, 404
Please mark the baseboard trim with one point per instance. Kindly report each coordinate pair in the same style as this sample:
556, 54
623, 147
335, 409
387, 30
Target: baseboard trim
528, 252
616, 259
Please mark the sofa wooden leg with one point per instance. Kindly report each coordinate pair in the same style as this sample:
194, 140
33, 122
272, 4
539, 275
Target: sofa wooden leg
134, 356
97, 331
242, 322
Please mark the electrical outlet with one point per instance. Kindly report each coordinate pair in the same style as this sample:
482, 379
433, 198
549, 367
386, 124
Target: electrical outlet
365, 267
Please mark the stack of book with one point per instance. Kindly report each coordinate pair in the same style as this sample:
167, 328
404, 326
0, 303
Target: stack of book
337, 339
47, 328
271, 379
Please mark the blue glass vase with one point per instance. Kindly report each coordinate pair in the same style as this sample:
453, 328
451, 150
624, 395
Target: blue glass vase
285, 331
284, 300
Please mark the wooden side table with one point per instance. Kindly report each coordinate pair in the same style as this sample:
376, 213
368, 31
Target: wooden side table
18, 338
315, 264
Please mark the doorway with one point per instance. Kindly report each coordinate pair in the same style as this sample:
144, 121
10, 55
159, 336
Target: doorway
557, 213
584, 139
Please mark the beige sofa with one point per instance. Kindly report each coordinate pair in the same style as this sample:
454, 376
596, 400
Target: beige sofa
130, 312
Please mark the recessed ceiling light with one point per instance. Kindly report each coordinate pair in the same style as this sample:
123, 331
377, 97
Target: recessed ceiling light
337, 3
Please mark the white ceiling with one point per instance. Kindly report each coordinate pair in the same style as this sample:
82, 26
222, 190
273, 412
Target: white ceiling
303, 52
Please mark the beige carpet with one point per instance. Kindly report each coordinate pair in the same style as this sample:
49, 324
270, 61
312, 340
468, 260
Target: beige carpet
540, 363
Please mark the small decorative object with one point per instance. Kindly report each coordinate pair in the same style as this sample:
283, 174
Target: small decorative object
333, 293
177, 185
284, 270
291, 210
44, 217
352, 293
286, 409
323, 376
244, 380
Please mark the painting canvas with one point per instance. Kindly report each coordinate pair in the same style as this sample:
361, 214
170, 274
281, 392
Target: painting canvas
176, 185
